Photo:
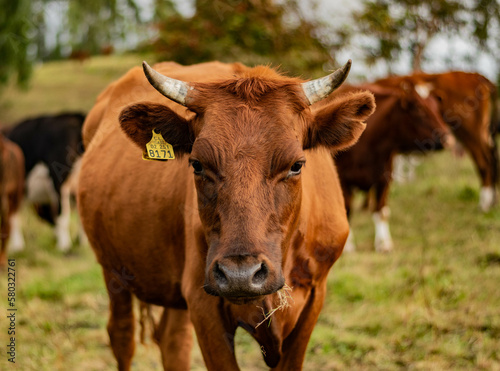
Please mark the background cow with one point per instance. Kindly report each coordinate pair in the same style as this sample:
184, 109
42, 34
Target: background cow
214, 246
11, 195
51, 146
467, 103
402, 123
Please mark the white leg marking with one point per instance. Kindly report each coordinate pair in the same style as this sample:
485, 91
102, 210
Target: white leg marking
16, 242
350, 246
383, 239
40, 188
63, 221
486, 198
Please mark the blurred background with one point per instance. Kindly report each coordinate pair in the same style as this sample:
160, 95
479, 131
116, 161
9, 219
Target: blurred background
303, 36
431, 304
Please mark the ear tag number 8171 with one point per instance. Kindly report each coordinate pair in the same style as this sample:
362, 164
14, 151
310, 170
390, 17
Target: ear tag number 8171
157, 149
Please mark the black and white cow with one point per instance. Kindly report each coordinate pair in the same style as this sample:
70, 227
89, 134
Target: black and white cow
52, 145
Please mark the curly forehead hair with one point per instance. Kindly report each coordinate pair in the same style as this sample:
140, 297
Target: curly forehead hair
253, 84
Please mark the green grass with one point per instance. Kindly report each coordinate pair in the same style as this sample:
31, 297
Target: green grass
432, 304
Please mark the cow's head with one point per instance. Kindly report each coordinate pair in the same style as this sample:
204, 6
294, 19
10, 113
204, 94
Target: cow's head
246, 142
416, 115
428, 125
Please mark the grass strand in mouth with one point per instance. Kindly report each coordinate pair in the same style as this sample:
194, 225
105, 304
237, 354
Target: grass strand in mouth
284, 295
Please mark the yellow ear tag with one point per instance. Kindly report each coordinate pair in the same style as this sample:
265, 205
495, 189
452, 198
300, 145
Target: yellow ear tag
157, 149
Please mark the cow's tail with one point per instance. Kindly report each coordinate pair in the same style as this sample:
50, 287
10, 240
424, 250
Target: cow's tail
148, 323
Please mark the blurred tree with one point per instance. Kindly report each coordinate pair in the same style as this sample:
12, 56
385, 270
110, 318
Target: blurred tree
15, 27
249, 31
394, 27
96, 24
39, 27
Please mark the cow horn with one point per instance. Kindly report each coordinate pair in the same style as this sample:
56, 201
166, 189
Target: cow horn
318, 89
171, 88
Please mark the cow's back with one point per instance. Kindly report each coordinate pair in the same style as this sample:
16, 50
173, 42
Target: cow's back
50, 139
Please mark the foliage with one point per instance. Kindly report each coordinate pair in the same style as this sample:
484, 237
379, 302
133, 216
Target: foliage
96, 24
394, 27
84, 26
250, 31
15, 29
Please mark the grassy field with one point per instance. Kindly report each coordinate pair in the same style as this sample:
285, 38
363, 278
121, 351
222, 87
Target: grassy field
63, 86
432, 304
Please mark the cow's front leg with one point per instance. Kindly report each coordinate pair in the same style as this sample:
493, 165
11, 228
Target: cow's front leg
4, 230
295, 345
121, 321
380, 216
383, 238
16, 242
63, 220
215, 332
175, 335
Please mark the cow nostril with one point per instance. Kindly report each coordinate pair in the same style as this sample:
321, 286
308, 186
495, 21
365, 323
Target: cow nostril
219, 275
261, 275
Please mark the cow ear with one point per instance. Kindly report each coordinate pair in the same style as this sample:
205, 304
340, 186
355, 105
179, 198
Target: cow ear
339, 124
139, 120
439, 94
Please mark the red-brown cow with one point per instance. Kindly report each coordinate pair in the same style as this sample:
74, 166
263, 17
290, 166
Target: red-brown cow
263, 208
11, 195
402, 123
467, 103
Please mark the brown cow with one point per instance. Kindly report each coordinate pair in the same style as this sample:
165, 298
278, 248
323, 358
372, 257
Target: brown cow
216, 247
467, 103
11, 195
402, 123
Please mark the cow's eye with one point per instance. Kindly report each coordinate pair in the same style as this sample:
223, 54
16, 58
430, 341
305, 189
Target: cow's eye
198, 168
295, 169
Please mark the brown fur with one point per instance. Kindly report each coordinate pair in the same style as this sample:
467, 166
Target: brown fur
467, 104
11, 189
402, 123
163, 234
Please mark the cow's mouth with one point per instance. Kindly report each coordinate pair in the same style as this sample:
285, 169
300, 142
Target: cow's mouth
241, 300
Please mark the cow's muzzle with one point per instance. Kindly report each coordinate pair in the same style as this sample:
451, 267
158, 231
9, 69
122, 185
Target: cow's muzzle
243, 277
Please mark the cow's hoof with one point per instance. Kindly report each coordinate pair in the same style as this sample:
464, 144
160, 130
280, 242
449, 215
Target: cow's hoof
486, 199
384, 246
